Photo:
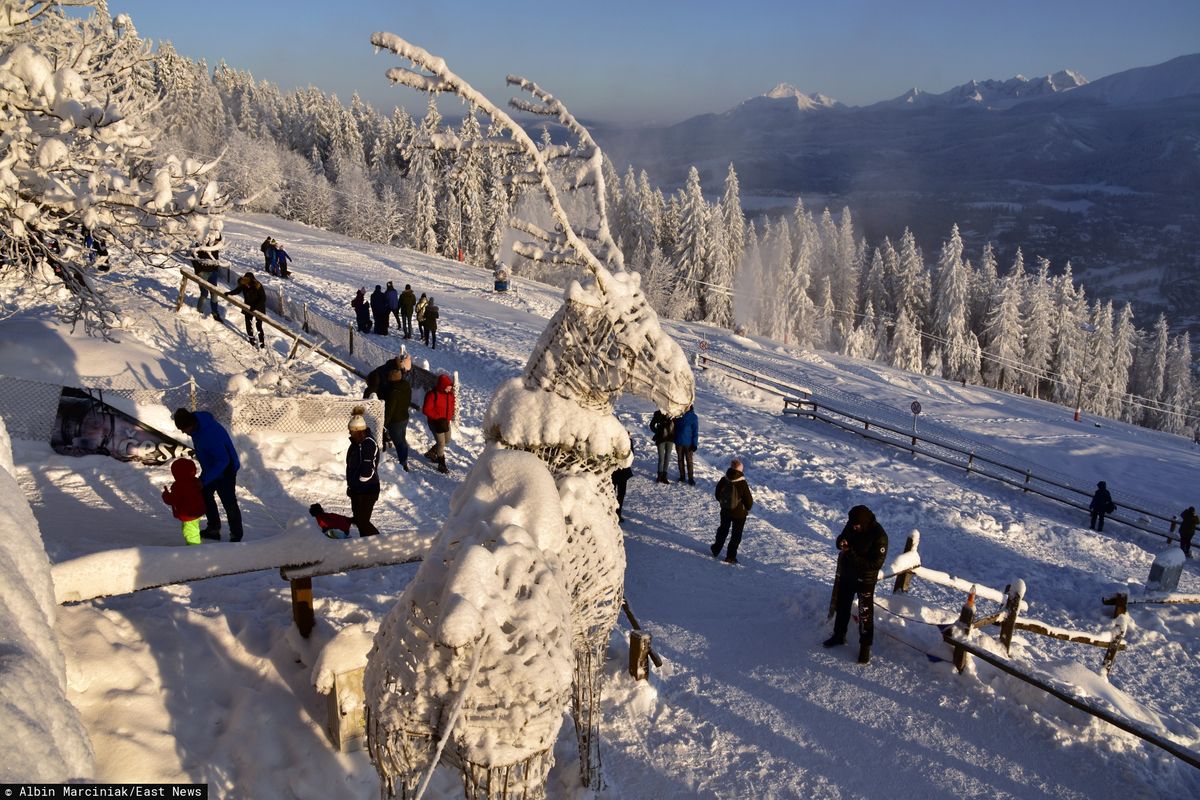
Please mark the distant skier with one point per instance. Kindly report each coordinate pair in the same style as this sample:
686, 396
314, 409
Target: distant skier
1187, 529
663, 428
186, 498
362, 472
219, 467
1102, 504
863, 548
733, 494
335, 526
408, 301
362, 311
687, 436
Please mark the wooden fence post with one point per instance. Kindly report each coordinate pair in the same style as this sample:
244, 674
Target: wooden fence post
304, 327
192, 391
1027, 474
966, 619
1012, 608
639, 655
1118, 635
904, 579
183, 287
1120, 604
970, 461
1172, 516
302, 605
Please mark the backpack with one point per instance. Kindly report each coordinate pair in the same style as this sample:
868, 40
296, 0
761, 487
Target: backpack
729, 497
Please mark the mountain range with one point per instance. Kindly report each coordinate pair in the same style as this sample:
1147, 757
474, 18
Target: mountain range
1105, 173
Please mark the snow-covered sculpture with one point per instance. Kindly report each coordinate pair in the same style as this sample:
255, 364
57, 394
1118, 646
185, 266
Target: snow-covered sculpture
427, 681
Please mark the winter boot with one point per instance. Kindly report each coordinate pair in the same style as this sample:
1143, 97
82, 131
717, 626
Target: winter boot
714, 549
441, 462
834, 641
662, 477
212, 534
262, 342
864, 653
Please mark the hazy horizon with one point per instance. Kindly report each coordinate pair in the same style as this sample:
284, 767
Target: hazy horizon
665, 62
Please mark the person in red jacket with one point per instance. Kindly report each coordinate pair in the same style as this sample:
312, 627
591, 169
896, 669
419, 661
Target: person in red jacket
438, 409
335, 526
186, 498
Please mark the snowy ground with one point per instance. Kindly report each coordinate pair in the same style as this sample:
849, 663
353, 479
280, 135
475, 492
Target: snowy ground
208, 681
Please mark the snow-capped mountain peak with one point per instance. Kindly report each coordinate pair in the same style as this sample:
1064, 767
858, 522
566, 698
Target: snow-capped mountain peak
992, 94
805, 102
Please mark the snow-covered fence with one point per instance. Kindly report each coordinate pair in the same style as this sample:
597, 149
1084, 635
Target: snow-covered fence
792, 394
1122, 600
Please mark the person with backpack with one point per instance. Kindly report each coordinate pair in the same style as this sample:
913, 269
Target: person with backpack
733, 494
362, 472
663, 428
431, 323
422, 304
408, 302
862, 548
687, 435
256, 298
1102, 504
1187, 529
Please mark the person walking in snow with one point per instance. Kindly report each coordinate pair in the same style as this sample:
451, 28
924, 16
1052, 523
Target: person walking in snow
268, 251
380, 310
687, 435
620, 479
393, 299
282, 259
186, 498
1102, 504
397, 398
438, 408
219, 467
862, 547
362, 472
663, 428
407, 301
1187, 529
335, 526
432, 314
205, 263
256, 298
733, 494
422, 304
362, 311
377, 378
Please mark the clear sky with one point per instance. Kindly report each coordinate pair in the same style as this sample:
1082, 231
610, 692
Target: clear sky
662, 61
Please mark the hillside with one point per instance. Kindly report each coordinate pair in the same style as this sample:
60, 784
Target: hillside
208, 681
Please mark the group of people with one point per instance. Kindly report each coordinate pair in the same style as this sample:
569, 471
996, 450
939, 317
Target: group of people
1102, 505
680, 434
374, 314
275, 258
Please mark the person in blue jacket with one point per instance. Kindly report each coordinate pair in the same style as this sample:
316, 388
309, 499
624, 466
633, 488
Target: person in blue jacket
362, 473
219, 466
687, 433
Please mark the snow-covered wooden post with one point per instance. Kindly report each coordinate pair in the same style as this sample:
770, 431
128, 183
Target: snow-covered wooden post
305, 324
183, 288
192, 391
904, 579
1012, 607
1028, 473
302, 605
345, 710
351, 329
964, 626
1119, 629
639, 655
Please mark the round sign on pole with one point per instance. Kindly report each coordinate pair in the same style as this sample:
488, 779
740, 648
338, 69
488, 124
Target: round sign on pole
703, 344
916, 407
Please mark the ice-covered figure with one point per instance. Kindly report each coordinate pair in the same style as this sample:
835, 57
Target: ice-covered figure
605, 340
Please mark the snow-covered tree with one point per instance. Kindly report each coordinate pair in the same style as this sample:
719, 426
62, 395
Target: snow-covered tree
693, 253
951, 310
1038, 313
906, 344
1004, 338
77, 157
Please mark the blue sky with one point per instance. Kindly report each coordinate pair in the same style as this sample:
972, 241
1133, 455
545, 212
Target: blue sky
665, 60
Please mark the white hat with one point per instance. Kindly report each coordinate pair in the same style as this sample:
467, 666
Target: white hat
357, 423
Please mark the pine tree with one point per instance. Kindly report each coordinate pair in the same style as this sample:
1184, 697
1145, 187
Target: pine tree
1004, 338
693, 253
906, 344
1038, 313
1124, 346
950, 309
1179, 395
984, 289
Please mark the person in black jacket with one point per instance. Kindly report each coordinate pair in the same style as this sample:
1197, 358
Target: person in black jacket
362, 473
1187, 529
380, 310
733, 493
863, 548
1102, 503
663, 428
432, 314
408, 301
256, 297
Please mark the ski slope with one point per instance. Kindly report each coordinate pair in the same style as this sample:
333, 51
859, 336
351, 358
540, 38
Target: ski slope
208, 681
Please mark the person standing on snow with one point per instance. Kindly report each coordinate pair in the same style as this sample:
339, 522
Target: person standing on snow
687, 435
186, 498
397, 397
1187, 529
1102, 503
362, 311
362, 472
268, 251
663, 428
393, 300
219, 467
438, 409
256, 297
432, 314
380, 310
862, 548
408, 301
422, 304
733, 493
620, 479
281, 261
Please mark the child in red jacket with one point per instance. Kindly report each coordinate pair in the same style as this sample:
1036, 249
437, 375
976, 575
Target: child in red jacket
186, 498
335, 526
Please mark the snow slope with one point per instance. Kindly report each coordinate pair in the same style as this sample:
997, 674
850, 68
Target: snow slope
208, 681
